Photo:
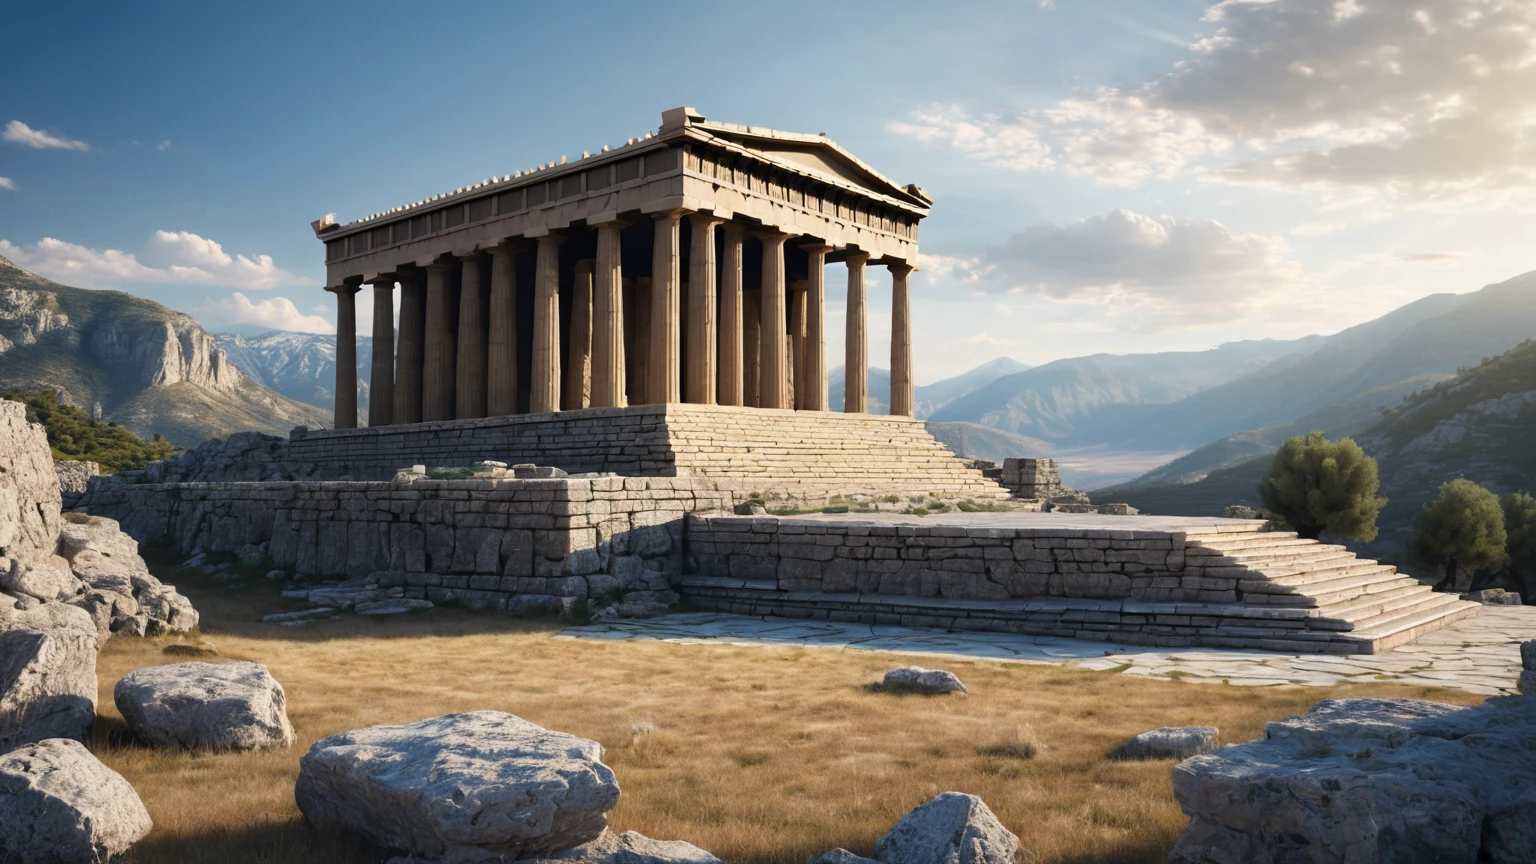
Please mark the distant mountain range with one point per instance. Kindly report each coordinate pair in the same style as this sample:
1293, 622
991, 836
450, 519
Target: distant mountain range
301, 366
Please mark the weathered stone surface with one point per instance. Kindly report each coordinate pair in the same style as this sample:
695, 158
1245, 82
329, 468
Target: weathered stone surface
74, 477
1170, 742
233, 706
43, 579
60, 805
29, 489
121, 594
391, 606
1493, 597
1528, 654
916, 679
1367, 780
47, 674
460, 787
842, 856
1241, 511
952, 828
630, 848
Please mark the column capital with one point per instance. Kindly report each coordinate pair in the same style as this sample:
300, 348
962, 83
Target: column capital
586, 265
856, 258
437, 267
674, 213
467, 256
777, 238
705, 220
339, 290
610, 223
734, 230
816, 247
507, 248
901, 268
551, 239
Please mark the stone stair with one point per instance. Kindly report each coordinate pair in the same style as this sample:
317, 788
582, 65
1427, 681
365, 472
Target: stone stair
1361, 600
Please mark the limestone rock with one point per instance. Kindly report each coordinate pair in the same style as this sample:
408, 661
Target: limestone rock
47, 674
1241, 511
953, 828
1528, 654
750, 508
916, 679
1493, 597
233, 706
1170, 742
842, 856
460, 787
631, 848
122, 595
43, 579
29, 489
60, 805
74, 477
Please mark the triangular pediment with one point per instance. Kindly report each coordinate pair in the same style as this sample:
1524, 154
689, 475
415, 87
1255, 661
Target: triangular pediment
815, 153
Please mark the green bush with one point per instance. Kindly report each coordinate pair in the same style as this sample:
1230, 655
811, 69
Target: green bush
1462, 531
1318, 485
74, 436
1520, 545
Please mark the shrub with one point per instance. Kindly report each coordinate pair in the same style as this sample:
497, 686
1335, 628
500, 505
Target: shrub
1318, 485
74, 436
1520, 545
1461, 530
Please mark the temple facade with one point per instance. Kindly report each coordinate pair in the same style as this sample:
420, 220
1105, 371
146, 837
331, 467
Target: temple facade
687, 266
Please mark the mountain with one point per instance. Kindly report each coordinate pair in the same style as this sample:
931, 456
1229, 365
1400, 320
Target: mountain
927, 398
974, 441
300, 366
136, 362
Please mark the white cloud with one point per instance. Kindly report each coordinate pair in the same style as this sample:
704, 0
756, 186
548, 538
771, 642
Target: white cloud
1430, 101
278, 313
163, 146
170, 257
18, 132
7, 183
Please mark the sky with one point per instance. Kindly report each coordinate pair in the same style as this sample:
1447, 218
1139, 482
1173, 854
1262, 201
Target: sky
1109, 175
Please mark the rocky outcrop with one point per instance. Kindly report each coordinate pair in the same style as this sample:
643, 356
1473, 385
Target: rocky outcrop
29, 490
480, 785
47, 673
120, 593
1369, 780
952, 828
60, 805
916, 679
74, 476
220, 706
1170, 742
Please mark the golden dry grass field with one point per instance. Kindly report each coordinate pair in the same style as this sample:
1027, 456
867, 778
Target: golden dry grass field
757, 754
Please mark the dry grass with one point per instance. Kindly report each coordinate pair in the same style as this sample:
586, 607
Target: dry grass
756, 754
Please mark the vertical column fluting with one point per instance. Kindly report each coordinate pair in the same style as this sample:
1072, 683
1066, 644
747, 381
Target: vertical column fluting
501, 343
666, 310
408, 358
469, 380
902, 397
751, 349
438, 374
381, 379
797, 315
545, 394
638, 362
346, 356
702, 308
578, 365
856, 362
816, 327
729, 369
608, 345
771, 345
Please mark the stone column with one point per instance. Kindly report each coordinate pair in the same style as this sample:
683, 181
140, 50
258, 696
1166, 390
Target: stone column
816, 328
751, 349
729, 390
666, 310
381, 381
772, 361
608, 347
638, 362
501, 359
437, 386
470, 380
902, 398
578, 367
346, 355
797, 381
701, 310
546, 327
408, 357
856, 366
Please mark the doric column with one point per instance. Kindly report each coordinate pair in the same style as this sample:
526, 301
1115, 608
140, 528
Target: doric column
729, 391
816, 328
470, 379
408, 358
381, 380
546, 327
578, 365
608, 320
751, 349
666, 310
797, 382
638, 360
701, 309
902, 399
501, 344
856, 366
771, 359
438, 378
346, 355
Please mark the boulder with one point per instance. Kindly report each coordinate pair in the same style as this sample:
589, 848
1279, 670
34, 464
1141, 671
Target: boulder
224, 706
460, 787
74, 477
953, 828
121, 595
916, 679
630, 848
29, 489
842, 856
1170, 742
1241, 511
1368, 780
47, 674
1528, 654
60, 805
1493, 597
44, 579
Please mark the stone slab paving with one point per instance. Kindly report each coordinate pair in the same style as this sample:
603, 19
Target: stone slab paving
1479, 654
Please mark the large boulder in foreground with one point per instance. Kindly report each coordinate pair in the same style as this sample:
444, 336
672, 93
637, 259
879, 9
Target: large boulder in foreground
120, 593
1369, 780
629, 848
29, 490
952, 828
47, 673
60, 805
460, 787
221, 706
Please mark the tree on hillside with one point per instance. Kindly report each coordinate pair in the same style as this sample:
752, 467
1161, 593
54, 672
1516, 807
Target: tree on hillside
1318, 485
1462, 530
72, 435
1520, 545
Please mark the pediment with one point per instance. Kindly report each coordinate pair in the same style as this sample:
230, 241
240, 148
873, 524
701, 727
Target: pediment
817, 154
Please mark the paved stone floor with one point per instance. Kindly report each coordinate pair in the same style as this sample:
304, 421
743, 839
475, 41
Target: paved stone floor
1479, 654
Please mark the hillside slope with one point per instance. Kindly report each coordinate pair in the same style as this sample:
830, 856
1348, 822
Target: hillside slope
927, 398
301, 366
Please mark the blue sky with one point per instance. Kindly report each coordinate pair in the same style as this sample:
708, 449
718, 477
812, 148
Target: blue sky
1109, 176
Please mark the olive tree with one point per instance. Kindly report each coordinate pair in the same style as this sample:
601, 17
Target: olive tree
1462, 530
1318, 485
1520, 528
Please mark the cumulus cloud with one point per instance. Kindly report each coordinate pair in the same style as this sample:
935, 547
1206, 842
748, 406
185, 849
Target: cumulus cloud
170, 257
7, 183
277, 313
1429, 100
18, 132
